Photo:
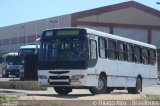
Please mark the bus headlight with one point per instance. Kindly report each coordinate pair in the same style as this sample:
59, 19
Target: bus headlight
77, 77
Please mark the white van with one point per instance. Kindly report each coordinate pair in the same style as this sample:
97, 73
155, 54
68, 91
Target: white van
10, 65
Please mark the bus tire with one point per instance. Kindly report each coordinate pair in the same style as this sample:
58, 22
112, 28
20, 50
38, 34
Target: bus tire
137, 89
101, 88
62, 90
108, 90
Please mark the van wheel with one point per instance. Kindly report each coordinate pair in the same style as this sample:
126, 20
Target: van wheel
63, 90
101, 88
137, 89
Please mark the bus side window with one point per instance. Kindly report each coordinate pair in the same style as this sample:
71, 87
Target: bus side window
102, 48
121, 50
138, 54
130, 53
152, 56
112, 49
145, 54
93, 49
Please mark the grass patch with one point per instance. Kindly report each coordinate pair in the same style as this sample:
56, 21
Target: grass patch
152, 97
23, 85
3, 97
6, 98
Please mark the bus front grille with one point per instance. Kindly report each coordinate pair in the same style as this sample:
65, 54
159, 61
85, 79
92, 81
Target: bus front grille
59, 80
58, 77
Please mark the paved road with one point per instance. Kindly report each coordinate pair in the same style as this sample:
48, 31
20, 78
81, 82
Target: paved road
77, 94
8, 79
153, 90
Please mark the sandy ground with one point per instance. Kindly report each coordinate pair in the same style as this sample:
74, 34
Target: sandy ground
80, 94
81, 97
84, 94
84, 97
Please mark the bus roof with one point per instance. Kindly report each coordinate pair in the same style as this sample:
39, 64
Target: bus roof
10, 54
112, 36
29, 47
91, 31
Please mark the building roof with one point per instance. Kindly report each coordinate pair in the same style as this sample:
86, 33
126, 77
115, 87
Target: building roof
118, 7
129, 13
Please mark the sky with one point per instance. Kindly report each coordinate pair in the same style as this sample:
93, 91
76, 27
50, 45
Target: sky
20, 11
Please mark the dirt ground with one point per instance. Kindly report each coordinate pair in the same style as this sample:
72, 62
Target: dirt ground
82, 99
78, 99
85, 97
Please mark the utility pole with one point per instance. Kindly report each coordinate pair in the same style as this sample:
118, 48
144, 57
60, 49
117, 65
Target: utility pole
53, 22
97, 19
24, 28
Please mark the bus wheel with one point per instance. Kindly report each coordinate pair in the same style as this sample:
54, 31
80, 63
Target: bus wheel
138, 88
63, 90
101, 88
139, 85
108, 90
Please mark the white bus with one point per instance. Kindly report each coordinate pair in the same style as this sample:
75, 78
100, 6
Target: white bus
84, 58
10, 65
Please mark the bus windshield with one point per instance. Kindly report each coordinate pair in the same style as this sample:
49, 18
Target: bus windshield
67, 49
27, 51
12, 60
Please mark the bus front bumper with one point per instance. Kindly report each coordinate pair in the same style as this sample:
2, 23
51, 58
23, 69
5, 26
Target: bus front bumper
69, 79
12, 72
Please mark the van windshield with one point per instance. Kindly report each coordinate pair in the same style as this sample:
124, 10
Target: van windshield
12, 60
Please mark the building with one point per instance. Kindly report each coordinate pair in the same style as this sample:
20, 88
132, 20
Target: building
128, 19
